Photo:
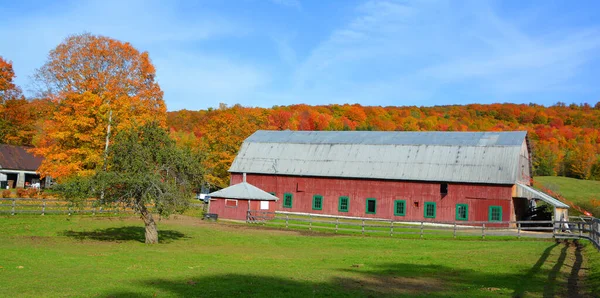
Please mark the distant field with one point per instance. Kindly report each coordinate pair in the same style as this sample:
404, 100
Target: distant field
106, 257
575, 190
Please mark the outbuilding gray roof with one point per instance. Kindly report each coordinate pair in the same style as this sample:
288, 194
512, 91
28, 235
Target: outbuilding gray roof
475, 157
243, 191
524, 191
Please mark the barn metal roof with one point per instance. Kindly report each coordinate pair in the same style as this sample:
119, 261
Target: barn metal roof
243, 191
524, 191
476, 157
18, 158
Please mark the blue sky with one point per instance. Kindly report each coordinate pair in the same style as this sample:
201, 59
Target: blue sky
281, 52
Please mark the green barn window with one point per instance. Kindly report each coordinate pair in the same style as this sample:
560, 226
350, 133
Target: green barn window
399, 207
288, 199
462, 212
371, 206
317, 202
495, 213
343, 205
429, 210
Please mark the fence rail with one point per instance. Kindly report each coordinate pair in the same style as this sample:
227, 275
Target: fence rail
584, 228
15, 206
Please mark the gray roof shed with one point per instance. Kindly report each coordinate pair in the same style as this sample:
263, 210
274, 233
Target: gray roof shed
474, 157
243, 191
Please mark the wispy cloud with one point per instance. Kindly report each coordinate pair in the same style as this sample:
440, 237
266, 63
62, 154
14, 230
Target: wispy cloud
381, 52
409, 52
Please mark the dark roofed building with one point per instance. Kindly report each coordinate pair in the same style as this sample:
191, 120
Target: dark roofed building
19, 166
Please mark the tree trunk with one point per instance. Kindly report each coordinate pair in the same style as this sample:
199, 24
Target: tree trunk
151, 230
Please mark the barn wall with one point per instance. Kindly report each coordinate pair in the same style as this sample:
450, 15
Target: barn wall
217, 205
478, 197
524, 175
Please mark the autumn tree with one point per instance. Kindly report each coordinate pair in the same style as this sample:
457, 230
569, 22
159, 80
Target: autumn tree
100, 86
144, 167
8, 89
9, 93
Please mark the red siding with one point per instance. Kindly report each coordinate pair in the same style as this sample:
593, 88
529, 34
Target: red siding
217, 205
478, 197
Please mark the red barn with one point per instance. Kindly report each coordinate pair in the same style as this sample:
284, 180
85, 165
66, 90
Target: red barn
411, 176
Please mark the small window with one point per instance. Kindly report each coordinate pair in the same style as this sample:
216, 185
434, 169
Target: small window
317, 202
462, 212
399, 207
288, 199
344, 204
371, 206
429, 210
264, 205
231, 203
495, 213
444, 188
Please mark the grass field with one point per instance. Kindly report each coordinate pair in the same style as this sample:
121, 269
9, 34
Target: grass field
106, 257
575, 190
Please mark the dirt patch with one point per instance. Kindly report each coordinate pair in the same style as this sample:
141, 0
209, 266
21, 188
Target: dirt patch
394, 284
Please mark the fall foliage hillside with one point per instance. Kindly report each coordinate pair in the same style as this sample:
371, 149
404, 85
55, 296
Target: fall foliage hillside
565, 138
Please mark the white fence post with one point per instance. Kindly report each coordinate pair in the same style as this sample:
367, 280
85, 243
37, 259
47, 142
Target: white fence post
483, 231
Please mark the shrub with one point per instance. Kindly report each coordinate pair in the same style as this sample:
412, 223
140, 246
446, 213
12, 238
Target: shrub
32, 192
21, 193
6, 193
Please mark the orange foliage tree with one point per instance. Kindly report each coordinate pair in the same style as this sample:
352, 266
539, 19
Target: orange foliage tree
99, 86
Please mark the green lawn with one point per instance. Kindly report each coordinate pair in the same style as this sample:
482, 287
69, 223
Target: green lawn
106, 257
572, 189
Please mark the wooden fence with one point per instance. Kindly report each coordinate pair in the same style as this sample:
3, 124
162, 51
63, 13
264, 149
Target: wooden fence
584, 228
15, 206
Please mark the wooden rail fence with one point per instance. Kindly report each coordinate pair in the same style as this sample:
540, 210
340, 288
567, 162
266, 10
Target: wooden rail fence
15, 206
584, 228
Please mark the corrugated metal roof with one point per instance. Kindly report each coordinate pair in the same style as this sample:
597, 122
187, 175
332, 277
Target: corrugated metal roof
243, 191
477, 157
17, 158
440, 138
524, 191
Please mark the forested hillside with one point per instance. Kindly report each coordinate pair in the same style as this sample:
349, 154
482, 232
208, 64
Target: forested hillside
565, 138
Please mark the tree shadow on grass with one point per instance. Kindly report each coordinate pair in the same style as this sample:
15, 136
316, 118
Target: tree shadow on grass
386, 280
129, 233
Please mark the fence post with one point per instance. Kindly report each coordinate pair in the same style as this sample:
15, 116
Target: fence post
310, 222
287, 217
518, 230
483, 231
13, 207
579, 226
554, 229
421, 230
43, 207
391, 228
337, 222
455, 229
69, 210
363, 226
94, 211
